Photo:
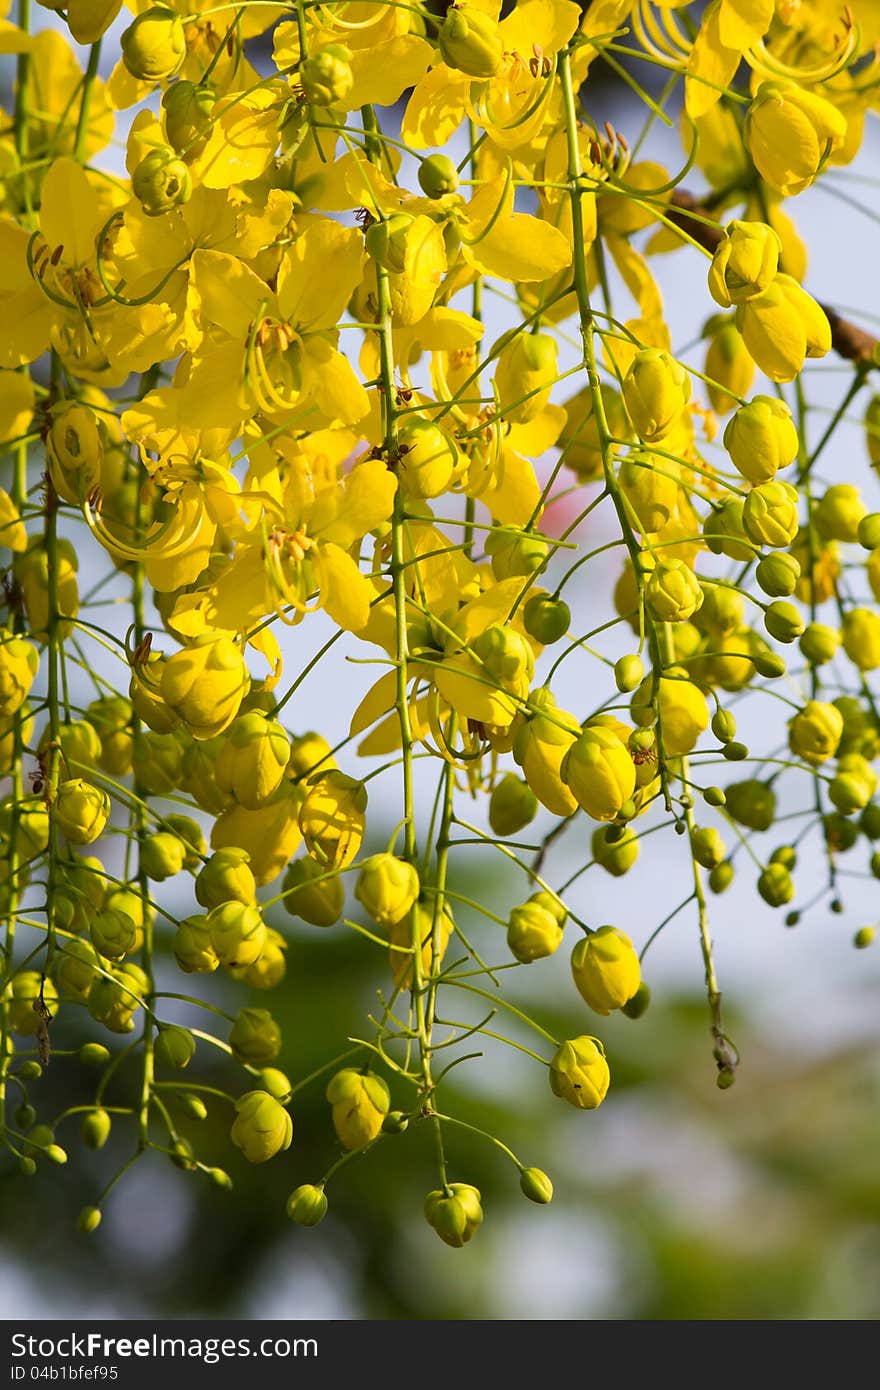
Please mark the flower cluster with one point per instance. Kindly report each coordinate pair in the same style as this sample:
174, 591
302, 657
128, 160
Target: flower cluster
254, 373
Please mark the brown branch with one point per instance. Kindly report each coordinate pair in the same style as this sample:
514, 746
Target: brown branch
847, 339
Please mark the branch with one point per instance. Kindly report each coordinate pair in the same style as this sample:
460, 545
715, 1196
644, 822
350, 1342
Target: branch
847, 339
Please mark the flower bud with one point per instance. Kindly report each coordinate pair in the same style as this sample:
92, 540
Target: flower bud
387, 887
539, 746
157, 762
252, 759
470, 41
81, 811
655, 391
534, 929
23, 995
307, 1205
605, 969
617, 857
861, 638
684, 714
814, 733
761, 438
226, 877
386, 243
360, 1102
546, 619
161, 182
74, 451
326, 76
332, 819
869, 821
745, 262
111, 718
262, 1127
515, 552
536, 1185
205, 684
174, 1046
790, 133
721, 877
77, 970
839, 512
782, 327
651, 486
115, 1000
95, 1129
778, 575
88, 1220
309, 753
863, 937
237, 933
187, 110
255, 1037
525, 368
512, 805
751, 803
454, 1212
872, 429
94, 1055
770, 514
724, 532
270, 967
313, 892
729, 367
724, 725
853, 785
629, 672
113, 934
673, 592
783, 621
775, 885
579, 1073
599, 771
639, 1004
19, 663
162, 856
819, 643
438, 176
707, 846
154, 46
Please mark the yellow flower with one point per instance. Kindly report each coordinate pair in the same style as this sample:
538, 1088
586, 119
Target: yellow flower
205, 684
761, 438
814, 733
262, 1128
655, 391
783, 326
360, 1102
745, 262
791, 133
600, 772
605, 969
579, 1073
332, 818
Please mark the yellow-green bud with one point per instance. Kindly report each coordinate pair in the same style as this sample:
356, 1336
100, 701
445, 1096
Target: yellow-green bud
154, 46
161, 182
19, 663
313, 892
861, 638
708, 848
332, 818
262, 1128
853, 785
88, 1220
95, 1129
226, 877
775, 885
814, 733
94, 1054
455, 1212
515, 552
535, 1184
162, 856
275, 1082
470, 41
438, 175
783, 621
74, 451
863, 937
673, 591
745, 262
751, 803
638, 1005
512, 805
360, 1102
839, 512
869, 531
721, 877
655, 391
205, 684
252, 759
790, 132
651, 486
113, 934
872, 429
237, 933
629, 672
761, 438
387, 887
187, 109
157, 760
819, 643
534, 929
307, 1205
255, 1037
114, 1001
600, 772
869, 821
326, 76
605, 969
81, 811
174, 1046
111, 719
778, 575
579, 1073
526, 367
309, 753
724, 725
546, 619
770, 514
724, 532
617, 857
